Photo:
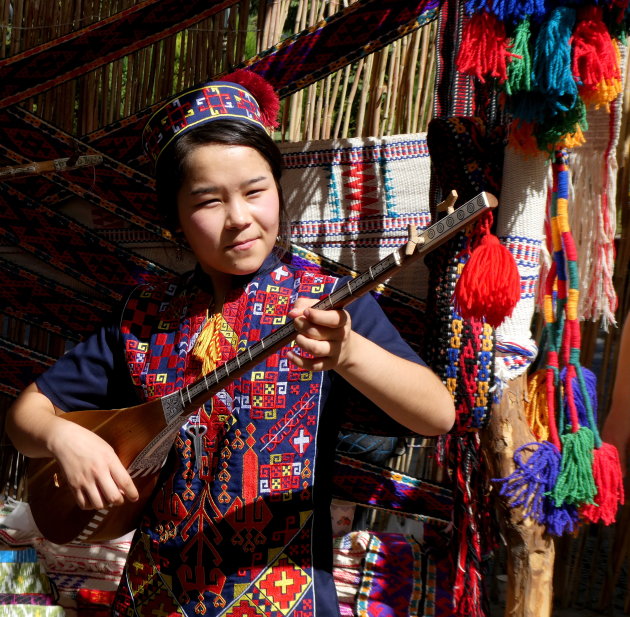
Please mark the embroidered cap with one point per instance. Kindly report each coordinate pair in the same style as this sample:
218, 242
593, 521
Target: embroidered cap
241, 96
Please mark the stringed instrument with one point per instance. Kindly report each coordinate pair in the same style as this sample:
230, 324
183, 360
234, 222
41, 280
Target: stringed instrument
142, 435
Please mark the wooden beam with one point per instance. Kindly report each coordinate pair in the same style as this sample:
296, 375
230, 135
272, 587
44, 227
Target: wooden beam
37, 168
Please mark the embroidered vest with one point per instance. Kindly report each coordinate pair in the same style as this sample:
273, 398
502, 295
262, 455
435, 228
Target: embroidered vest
230, 531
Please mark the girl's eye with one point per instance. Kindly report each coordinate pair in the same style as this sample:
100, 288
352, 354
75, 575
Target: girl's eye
209, 203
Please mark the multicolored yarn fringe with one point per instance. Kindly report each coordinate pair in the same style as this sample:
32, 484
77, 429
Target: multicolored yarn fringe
550, 61
555, 66
570, 475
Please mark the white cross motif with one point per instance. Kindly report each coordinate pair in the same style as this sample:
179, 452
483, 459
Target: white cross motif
301, 439
280, 274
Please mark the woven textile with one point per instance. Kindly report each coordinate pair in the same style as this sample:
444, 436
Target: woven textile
594, 219
351, 200
379, 574
75, 575
24, 587
383, 488
20, 366
80, 570
520, 227
47, 65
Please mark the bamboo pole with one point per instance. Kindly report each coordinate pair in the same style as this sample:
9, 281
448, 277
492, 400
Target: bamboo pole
18, 12
341, 101
351, 97
426, 109
4, 29
377, 92
409, 78
369, 63
243, 23
392, 92
332, 104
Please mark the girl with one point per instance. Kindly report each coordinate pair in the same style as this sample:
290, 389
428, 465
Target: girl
240, 522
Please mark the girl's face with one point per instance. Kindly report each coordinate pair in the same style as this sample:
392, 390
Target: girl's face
229, 209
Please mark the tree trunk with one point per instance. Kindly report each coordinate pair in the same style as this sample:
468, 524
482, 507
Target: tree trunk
530, 551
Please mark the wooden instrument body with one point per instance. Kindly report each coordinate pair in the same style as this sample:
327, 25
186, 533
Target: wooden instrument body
142, 435
51, 499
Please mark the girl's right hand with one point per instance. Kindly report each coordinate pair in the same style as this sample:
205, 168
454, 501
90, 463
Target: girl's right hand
89, 464
90, 467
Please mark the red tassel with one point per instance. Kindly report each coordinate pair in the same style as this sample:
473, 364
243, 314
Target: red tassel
484, 48
262, 91
490, 285
609, 482
594, 55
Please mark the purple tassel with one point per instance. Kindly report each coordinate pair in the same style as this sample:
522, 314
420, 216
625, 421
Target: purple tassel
528, 485
559, 520
591, 391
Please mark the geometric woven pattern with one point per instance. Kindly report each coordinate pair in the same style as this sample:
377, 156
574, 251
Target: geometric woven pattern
352, 200
52, 63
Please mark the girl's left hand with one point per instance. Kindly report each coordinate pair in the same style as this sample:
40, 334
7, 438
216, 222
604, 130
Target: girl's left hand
323, 335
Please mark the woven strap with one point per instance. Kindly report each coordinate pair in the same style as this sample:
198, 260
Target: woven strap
393, 491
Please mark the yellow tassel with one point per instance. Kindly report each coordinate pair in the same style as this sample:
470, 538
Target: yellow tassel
606, 90
536, 410
604, 94
574, 139
207, 349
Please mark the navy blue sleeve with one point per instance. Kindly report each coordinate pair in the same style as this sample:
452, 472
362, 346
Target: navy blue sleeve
353, 410
92, 375
369, 320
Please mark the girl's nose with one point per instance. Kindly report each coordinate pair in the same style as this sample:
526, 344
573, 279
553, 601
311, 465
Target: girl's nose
238, 214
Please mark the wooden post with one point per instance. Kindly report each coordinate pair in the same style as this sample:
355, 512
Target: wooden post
530, 551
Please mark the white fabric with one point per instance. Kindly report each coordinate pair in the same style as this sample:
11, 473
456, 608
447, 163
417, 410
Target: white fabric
351, 200
593, 215
520, 227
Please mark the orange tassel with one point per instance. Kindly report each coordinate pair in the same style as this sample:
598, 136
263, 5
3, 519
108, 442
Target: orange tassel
207, 350
521, 138
490, 285
572, 140
536, 406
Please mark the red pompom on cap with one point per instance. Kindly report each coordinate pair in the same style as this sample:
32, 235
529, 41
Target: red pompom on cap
262, 91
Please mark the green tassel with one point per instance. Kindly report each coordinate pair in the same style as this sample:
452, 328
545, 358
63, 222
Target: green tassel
575, 484
551, 131
520, 69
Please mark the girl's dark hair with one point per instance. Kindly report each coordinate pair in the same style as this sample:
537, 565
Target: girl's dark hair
171, 166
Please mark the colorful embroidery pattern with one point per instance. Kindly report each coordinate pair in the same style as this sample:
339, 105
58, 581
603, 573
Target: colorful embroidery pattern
236, 513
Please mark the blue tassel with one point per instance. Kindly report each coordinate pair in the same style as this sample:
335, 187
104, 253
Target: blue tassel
559, 520
590, 382
553, 76
475, 6
517, 10
532, 479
